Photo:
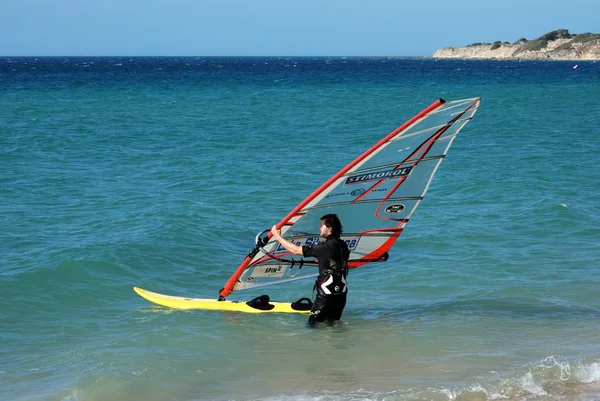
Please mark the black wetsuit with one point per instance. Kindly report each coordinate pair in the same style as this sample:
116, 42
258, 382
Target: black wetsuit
331, 286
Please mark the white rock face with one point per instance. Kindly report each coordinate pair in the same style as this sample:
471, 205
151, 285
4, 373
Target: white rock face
578, 51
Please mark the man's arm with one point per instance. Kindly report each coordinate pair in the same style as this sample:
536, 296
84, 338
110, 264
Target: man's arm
293, 248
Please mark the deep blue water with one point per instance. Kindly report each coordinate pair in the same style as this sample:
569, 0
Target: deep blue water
158, 172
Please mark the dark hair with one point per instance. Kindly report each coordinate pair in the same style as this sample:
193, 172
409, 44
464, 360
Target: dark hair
333, 222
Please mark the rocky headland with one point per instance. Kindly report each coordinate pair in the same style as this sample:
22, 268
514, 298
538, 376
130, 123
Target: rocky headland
555, 45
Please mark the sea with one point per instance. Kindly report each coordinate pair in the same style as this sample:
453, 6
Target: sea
159, 172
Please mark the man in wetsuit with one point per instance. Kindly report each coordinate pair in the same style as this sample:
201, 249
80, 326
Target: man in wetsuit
332, 256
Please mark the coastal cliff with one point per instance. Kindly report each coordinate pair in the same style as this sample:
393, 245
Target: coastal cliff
555, 45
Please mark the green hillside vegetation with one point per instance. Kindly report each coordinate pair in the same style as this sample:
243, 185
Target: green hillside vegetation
496, 45
542, 42
581, 38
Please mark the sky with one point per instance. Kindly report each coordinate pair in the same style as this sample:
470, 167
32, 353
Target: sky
278, 27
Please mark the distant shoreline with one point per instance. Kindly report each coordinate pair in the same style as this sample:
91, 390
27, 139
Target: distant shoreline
557, 45
434, 57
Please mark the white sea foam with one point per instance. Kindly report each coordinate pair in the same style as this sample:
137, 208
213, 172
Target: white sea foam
588, 373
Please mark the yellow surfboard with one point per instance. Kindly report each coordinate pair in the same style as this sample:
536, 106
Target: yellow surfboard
258, 305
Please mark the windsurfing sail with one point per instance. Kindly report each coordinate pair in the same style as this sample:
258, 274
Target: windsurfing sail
374, 196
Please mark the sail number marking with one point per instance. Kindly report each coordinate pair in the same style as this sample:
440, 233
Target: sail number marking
351, 242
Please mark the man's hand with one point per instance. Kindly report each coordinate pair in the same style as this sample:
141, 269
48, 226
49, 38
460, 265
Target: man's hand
276, 232
293, 248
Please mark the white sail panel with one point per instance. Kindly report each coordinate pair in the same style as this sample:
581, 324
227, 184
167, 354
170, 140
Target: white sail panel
374, 197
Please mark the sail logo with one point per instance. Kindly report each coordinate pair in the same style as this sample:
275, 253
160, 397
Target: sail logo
380, 175
268, 271
394, 209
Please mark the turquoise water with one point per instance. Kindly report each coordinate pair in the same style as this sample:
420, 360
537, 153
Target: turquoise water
159, 173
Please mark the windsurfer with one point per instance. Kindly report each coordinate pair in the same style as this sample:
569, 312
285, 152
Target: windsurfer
332, 256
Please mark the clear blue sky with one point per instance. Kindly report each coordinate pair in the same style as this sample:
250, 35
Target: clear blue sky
278, 27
